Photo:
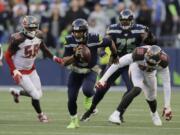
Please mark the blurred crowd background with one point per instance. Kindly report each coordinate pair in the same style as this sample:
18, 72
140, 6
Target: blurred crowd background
56, 16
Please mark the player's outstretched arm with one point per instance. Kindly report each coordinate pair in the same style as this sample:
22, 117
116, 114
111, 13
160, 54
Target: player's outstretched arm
48, 54
123, 61
165, 75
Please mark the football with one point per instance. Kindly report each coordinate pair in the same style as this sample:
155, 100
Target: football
86, 53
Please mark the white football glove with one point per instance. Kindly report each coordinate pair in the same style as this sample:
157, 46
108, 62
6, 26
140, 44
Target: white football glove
167, 113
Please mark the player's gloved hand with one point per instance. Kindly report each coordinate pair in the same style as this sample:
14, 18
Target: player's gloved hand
167, 113
17, 76
78, 52
101, 85
58, 60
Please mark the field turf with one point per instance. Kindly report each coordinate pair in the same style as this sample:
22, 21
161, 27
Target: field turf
20, 119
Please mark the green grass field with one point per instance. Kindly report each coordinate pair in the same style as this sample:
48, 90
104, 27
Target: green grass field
20, 119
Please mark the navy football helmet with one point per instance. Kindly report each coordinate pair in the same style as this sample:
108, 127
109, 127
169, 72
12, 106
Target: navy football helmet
126, 19
80, 30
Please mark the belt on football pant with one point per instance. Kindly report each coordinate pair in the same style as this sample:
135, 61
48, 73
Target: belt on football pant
80, 70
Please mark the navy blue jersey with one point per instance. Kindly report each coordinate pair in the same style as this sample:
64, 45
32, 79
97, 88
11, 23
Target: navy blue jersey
94, 42
126, 40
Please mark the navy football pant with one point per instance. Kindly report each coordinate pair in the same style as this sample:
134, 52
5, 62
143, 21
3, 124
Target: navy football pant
100, 93
87, 81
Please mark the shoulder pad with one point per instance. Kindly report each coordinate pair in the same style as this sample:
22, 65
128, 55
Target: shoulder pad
114, 29
39, 34
94, 35
138, 53
17, 38
164, 60
112, 26
141, 26
69, 41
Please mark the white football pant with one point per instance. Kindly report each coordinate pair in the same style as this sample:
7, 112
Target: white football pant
32, 85
147, 81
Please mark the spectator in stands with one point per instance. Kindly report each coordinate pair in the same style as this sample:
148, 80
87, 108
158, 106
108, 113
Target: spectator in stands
5, 22
110, 11
100, 19
74, 12
48, 37
57, 23
83, 6
19, 10
158, 16
144, 16
172, 18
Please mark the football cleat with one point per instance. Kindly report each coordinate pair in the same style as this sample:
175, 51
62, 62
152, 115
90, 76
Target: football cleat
74, 123
43, 118
115, 118
156, 119
86, 116
95, 111
15, 93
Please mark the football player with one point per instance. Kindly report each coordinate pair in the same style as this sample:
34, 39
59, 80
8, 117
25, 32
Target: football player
1, 55
127, 36
20, 56
146, 62
83, 73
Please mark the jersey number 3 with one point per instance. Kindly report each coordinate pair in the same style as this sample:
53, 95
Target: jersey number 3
31, 51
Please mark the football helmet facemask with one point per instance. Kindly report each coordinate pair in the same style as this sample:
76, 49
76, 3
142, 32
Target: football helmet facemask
80, 30
152, 56
126, 19
30, 24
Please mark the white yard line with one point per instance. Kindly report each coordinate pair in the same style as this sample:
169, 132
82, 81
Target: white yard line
62, 133
92, 126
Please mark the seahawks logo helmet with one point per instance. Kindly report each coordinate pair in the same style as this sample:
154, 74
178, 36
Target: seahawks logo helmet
80, 30
126, 19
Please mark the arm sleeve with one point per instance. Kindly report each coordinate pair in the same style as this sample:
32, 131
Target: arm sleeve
13, 47
123, 61
166, 86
